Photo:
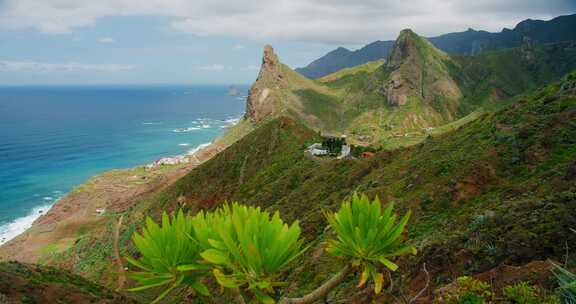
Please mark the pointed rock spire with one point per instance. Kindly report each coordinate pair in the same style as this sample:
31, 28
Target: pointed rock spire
404, 46
261, 103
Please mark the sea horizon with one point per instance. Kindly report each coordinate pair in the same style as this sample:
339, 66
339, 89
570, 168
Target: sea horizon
69, 133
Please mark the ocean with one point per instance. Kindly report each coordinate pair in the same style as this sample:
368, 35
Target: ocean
54, 138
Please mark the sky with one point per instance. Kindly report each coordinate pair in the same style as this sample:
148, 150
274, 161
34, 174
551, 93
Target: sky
64, 42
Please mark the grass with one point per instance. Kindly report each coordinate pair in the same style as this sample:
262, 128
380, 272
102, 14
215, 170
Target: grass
513, 160
474, 168
368, 67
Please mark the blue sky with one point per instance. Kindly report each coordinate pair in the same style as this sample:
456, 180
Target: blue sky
129, 50
217, 41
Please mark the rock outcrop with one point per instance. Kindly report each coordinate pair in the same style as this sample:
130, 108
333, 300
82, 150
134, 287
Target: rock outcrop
275, 92
417, 70
263, 99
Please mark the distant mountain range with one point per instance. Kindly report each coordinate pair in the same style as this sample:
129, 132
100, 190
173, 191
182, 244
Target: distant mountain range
418, 88
465, 43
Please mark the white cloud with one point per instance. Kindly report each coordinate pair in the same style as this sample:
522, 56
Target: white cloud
250, 68
211, 68
106, 40
239, 47
34, 66
325, 21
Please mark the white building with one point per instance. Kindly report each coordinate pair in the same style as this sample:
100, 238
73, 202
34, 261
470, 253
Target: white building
317, 149
345, 151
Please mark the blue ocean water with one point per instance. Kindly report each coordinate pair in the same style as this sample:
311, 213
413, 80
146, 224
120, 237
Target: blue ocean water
54, 138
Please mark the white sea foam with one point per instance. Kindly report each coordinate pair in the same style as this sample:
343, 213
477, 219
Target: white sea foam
232, 121
152, 123
185, 130
11, 230
198, 148
184, 145
206, 126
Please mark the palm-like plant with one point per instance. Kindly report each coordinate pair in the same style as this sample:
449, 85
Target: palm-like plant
367, 237
169, 257
247, 247
567, 282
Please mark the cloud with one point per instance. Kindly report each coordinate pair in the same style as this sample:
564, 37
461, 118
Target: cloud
324, 21
211, 68
250, 68
106, 40
239, 47
34, 66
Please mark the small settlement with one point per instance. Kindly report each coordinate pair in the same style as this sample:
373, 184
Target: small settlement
331, 147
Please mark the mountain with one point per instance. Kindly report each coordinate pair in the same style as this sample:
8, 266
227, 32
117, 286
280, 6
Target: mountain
22, 283
464, 43
493, 196
416, 89
418, 70
421, 88
341, 58
273, 92
480, 148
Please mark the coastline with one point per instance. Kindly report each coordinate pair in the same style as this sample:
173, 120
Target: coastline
52, 228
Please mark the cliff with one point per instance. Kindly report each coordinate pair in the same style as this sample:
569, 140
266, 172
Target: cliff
265, 97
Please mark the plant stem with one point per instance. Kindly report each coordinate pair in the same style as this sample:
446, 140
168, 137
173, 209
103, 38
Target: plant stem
238, 296
321, 291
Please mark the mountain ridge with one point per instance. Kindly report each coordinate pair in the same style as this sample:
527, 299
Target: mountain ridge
463, 43
493, 190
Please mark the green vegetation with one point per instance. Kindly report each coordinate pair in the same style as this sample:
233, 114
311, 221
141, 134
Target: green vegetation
23, 283
247, 248
468, 290
489, 178
524, 293
567, 282
510, 173
367, 67
367, 237
168, 256
333, 145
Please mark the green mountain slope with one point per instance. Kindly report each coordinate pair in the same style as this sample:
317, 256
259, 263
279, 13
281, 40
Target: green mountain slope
22, 283
488, 173
417, 91
467, 42
420, 88
498, 190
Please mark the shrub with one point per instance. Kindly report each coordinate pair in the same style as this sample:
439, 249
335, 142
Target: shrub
471, 298
168, 256
567, 282
248, 247
368, 237
245, 247
468, 290
521, 293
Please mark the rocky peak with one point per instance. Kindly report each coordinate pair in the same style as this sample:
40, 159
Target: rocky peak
261, 103
404, 47
270, 59
417, 70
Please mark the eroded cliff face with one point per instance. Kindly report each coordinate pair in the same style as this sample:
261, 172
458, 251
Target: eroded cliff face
417, 70
264, 99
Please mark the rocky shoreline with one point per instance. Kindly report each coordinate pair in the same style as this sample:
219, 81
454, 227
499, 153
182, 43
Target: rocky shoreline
87, 206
